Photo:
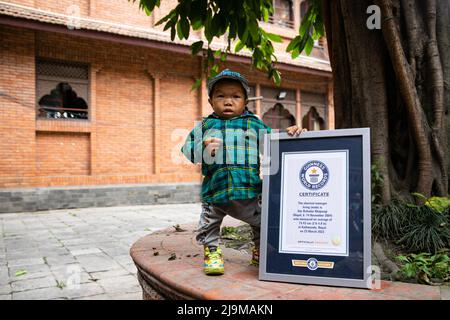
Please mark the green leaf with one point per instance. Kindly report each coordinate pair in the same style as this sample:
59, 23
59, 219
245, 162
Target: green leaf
185, 27
277, 77
419, 195
309, 45
196, 47
196, 84
402, 259
440, 204
208, 27
409, 271
169, 24
60, 284
265, 13
274, 37
179, 31
214, 70
169, 16
293, 43
223, 57
295, 53
172, 33
302, 43
197, 24
20, 273
148, 5
253, 29
305, 26
147, 11
245, 36
239, 46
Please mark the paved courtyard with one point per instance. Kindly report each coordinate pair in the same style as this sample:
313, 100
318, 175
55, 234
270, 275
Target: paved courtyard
79, 253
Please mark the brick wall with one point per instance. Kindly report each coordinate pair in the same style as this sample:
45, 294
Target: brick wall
62, 154
138, 97
69, 7
17, 116
117, 145
115, 11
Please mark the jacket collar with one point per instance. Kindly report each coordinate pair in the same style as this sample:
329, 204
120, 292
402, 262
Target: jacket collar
244, 114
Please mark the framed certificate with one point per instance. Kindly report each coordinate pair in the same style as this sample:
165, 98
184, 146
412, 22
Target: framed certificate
316, 226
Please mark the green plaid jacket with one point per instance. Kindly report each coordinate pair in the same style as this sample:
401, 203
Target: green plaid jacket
233, 173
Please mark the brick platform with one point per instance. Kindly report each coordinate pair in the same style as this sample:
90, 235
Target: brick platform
182, 277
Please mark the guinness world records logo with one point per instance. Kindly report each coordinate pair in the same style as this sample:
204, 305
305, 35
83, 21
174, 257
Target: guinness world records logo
312, 264
314, 175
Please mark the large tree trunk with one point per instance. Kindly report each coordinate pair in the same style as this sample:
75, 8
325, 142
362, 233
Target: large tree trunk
395, 81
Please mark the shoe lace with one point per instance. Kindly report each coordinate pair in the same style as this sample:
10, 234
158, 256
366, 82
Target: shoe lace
215, 255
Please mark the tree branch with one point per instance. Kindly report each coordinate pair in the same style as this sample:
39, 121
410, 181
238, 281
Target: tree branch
416, 116
437, 77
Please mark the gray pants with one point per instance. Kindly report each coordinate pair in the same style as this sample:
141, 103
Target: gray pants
248, 210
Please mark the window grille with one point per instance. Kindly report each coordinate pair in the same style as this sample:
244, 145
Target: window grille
62, 90
62, 69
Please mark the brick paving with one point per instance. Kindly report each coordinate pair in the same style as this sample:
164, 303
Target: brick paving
79, 253
240, 281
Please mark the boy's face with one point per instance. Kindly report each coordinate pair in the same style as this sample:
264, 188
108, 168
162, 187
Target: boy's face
228, 99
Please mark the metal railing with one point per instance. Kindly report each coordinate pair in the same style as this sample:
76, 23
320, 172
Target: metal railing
61, 113
281, 22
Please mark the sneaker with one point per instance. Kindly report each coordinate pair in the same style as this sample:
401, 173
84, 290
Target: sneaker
213, 261
255, 256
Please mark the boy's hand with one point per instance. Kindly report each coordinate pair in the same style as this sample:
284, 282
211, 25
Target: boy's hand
295, 130
212, 145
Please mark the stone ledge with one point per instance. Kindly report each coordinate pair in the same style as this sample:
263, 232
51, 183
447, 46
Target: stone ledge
54, 198
183, 278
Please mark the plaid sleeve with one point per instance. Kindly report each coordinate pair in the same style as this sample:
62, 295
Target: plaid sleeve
261, 128
193, 146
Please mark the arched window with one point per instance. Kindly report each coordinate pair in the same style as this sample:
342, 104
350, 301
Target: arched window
278, 117
312, 120
62, 89
63, 102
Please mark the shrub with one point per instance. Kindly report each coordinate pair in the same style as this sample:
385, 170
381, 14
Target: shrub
389, 221
418, 228
424, 266
427, 230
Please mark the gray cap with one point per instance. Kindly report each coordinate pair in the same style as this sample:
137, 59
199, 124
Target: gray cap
228, 74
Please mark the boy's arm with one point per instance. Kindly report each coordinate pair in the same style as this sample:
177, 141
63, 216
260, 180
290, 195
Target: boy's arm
193, 146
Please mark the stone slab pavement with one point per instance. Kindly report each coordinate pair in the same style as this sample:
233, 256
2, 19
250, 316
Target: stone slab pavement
79, 253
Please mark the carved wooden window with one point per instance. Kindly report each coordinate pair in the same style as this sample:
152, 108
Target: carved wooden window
313, 121
283, 14
314, 111
62, 90
278, 117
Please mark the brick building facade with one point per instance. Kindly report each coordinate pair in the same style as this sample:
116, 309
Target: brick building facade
95, 102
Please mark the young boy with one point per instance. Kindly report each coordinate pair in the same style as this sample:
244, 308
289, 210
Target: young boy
231, 184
